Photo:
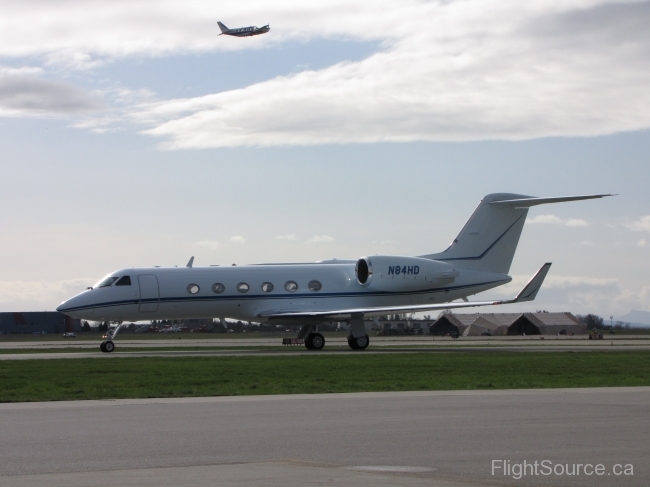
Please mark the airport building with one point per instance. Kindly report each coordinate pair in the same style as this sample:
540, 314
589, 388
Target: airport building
38, 322
500, 324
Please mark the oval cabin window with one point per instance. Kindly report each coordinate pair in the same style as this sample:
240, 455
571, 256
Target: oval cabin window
242, 287
267, 287
291, 286
218, 288
193, 288
314, 286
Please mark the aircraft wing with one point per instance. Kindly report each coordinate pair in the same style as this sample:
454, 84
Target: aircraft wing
261, 30
528, 293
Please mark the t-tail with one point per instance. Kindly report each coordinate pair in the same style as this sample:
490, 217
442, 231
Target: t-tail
489, 239
223, 28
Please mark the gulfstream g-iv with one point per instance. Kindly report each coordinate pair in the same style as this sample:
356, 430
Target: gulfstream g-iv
308, 294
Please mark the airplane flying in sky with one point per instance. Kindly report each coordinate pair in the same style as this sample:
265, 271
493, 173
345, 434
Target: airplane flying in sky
308, 294
243, 31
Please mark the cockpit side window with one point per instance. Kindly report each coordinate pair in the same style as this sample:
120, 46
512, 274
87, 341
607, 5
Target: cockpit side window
125, 281
108, 281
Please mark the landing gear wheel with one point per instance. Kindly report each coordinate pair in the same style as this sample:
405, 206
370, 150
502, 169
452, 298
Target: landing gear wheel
109, 346
358, 343
101, 347
315, 341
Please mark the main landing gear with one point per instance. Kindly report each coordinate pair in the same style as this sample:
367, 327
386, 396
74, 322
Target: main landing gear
107, 345
315, 341
358, 343
358, 338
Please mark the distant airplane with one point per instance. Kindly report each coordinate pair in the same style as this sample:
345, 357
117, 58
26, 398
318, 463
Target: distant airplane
243, 31
308, 294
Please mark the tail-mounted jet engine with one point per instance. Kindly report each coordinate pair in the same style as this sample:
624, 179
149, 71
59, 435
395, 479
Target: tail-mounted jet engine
396, 273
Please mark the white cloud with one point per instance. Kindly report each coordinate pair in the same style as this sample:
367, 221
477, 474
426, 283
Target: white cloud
460, 70
23, 70
317, 239
556, 220
466, 70
287, 238
563, 282
238, 239
640, 225
556, 282
642, 242
39, 295
213, 244
579, 294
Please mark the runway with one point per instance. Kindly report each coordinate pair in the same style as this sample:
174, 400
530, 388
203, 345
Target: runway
211, 347
302, 351
127, 341
364, 439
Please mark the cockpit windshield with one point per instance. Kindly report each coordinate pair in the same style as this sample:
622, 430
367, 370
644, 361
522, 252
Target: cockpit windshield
107, 281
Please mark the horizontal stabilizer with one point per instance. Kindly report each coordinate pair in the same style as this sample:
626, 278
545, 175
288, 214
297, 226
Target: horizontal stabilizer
528, 202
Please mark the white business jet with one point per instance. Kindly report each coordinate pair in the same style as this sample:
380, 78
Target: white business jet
331, 290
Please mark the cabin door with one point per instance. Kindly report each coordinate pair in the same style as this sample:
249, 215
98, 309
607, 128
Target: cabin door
149, 293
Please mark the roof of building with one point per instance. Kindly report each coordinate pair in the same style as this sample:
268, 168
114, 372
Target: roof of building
498, 323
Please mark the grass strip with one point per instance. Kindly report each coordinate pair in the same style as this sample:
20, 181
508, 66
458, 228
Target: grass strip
50, 380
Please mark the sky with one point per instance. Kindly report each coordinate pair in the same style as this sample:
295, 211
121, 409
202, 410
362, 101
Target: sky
132, 134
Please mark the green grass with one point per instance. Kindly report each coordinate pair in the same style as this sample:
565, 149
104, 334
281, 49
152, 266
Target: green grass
65, 379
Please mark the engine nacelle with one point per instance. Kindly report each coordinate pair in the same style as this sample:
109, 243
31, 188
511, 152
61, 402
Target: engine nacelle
396, 273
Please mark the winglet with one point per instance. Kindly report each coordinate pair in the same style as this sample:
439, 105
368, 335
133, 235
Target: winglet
190, 262
529, 292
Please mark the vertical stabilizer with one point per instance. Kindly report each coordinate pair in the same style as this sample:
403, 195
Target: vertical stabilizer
489, 239
222, 27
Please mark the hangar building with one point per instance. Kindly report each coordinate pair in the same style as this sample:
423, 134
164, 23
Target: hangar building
499, 324
38, 322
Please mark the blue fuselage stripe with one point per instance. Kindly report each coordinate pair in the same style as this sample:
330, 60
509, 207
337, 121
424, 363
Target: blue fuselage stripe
242, 297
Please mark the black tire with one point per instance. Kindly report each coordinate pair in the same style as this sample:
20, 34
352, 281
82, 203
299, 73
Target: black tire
109, 346
359, 343
317, 341
101, 347
308, 345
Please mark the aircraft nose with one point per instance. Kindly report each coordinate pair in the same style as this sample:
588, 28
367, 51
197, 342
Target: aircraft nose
69, 304
63, 306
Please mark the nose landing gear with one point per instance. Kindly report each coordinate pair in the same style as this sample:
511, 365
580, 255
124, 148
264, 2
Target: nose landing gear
108, 346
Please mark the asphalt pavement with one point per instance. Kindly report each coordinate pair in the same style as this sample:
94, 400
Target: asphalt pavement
364, 439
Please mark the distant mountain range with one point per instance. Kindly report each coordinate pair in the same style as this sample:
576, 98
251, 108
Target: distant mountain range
635, 318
